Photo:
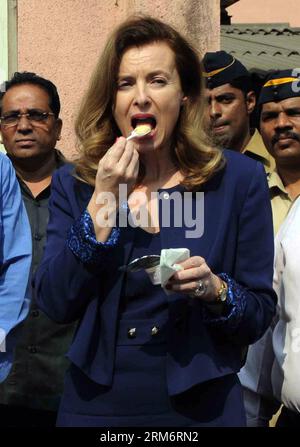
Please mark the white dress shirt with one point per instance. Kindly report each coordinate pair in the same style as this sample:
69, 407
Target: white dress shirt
286, 334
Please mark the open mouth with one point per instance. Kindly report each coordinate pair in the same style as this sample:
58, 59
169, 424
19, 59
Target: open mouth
151, 121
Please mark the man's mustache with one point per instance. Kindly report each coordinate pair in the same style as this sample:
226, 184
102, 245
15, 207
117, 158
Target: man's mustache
288, 134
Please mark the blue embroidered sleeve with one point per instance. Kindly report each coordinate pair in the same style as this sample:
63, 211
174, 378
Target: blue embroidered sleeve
83, 243
232, 310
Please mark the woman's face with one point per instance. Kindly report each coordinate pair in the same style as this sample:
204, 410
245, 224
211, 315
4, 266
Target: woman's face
149, 91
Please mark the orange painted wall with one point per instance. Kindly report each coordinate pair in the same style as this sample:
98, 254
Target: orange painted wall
61, 39
266, 11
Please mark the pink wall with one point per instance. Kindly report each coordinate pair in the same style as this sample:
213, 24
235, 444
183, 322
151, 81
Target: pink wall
266, 11
61, 39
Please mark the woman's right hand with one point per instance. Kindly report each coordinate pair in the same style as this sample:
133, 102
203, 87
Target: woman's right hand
120, 165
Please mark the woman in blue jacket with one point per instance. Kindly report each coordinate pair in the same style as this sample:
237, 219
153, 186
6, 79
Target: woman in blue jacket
145, 354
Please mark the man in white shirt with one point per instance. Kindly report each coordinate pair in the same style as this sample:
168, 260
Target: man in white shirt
286, 334
279, 103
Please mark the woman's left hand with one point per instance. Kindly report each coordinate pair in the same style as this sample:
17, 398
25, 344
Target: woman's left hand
196, 279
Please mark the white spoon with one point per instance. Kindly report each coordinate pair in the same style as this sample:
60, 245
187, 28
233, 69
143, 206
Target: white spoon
139, 131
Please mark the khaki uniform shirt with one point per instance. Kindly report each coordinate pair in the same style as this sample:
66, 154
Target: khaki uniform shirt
257, 150
280, 199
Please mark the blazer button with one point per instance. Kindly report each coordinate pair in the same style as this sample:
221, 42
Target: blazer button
154, 330
131, 333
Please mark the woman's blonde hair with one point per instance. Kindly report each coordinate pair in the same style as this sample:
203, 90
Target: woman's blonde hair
96, 130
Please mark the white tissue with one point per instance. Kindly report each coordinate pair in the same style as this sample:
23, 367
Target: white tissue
168, 263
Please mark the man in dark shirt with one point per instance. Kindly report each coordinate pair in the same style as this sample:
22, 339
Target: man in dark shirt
30, 127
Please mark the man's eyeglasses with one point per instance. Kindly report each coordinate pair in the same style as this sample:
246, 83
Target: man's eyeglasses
36, 118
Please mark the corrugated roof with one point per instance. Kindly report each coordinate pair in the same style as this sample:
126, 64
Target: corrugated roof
263, 47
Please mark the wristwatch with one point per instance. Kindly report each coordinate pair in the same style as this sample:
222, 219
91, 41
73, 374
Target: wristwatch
222, 293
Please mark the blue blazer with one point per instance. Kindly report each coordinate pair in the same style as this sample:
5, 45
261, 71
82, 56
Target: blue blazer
237, 240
